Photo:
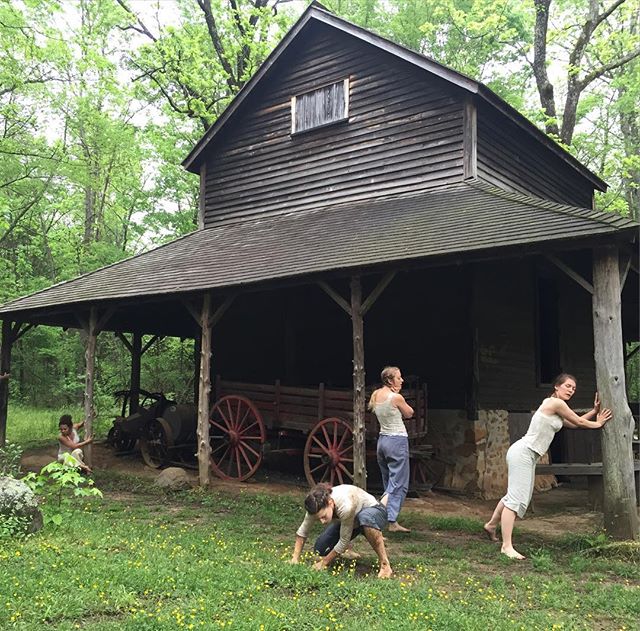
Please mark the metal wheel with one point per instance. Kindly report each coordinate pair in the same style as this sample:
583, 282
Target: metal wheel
236, 436
156, 442
120, 440
328, 453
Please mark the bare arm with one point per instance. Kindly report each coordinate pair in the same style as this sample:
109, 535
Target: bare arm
405, 409
68, 442
79, 425
572, 420
297, 549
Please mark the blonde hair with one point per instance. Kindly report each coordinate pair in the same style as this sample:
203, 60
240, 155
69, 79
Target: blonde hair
387, 374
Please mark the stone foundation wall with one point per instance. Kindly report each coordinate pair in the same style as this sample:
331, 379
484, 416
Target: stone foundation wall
474, 452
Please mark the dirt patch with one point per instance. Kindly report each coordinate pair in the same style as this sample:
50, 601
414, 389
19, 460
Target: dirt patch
556, 512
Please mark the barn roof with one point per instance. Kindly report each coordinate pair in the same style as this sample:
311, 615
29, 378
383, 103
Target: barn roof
316, 13
465, 218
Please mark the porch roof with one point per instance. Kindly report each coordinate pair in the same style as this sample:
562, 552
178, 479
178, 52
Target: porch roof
465, 218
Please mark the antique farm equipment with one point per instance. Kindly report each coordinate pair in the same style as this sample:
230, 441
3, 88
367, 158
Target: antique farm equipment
318, 419
165, 430
128, 427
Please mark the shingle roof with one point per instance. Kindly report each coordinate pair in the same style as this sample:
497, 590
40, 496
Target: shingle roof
463, 218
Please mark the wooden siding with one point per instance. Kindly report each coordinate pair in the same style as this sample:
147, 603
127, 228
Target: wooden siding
404, 134
507, 337
510, 159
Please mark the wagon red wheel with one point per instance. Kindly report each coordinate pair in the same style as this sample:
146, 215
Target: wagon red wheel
236, 436
328, 453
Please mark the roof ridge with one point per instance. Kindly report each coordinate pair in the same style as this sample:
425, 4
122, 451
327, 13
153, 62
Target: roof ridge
98, 269
539, 202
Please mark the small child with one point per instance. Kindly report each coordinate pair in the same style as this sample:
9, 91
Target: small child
69, 450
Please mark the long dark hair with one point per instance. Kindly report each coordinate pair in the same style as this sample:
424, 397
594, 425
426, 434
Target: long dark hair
559, 380
317, 498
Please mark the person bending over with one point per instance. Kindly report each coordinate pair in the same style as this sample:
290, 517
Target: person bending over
523, 455
355, 512
70, 447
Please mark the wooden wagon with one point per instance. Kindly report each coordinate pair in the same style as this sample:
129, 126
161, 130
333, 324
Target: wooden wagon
247, 418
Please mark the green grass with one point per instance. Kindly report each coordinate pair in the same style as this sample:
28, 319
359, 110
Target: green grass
145, 559
31, 427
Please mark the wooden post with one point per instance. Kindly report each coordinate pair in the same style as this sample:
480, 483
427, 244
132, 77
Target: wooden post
136, 356
472, 363
204, 448
359, 446
620, 513
197, 351
5, 367
90, 361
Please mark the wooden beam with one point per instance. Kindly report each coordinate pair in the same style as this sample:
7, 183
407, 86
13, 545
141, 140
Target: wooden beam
136, 357
336, 296
5, 368
620, 512
472, 363
90, 361
625, 266
630, 354
124, 340
104, 318
221, 310
359, 403
204, 391
20, 330
150, 343
470, 139
375, 294
195, 314
570, 273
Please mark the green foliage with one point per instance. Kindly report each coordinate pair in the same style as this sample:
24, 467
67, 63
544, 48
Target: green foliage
156, 561
10, 456
60, 485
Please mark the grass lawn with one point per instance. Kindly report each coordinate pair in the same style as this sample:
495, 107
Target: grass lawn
145, 559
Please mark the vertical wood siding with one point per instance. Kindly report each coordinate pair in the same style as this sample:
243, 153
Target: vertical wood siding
512, 160
404, 134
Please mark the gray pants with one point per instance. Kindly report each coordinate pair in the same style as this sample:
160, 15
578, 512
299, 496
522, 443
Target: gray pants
393, 460
521, 462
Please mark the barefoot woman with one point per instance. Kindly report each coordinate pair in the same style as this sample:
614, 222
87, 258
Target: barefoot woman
356, 511
390, 408
551, 416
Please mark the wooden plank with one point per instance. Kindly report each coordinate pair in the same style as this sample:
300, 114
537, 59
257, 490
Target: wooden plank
202, 194
620, 514
204, 391
377, 291
136, 360
359, 404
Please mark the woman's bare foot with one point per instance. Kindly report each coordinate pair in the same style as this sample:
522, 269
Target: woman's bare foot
491, 532
385, 571
394, 526
512, 553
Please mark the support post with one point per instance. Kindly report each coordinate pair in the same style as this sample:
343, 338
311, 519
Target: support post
90, 362
204, 390
359, 446
5, 367
136, 357
620, 513
473, 368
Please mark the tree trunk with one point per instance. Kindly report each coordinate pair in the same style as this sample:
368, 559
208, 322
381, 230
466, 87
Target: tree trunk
90, 361
204, 391
545, 87
5, 367
359, 446
620, 512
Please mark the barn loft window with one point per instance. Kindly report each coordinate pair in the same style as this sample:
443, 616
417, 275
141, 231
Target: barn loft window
548, 330
324, 106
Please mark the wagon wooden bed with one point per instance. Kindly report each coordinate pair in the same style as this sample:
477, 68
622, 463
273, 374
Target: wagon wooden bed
246, 415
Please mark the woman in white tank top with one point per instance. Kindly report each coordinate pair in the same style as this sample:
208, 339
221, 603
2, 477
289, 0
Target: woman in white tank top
392, 449
523, 455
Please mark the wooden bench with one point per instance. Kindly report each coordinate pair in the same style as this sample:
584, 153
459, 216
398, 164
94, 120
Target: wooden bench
593, 471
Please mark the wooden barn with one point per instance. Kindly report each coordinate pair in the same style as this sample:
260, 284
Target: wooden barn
362, 205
